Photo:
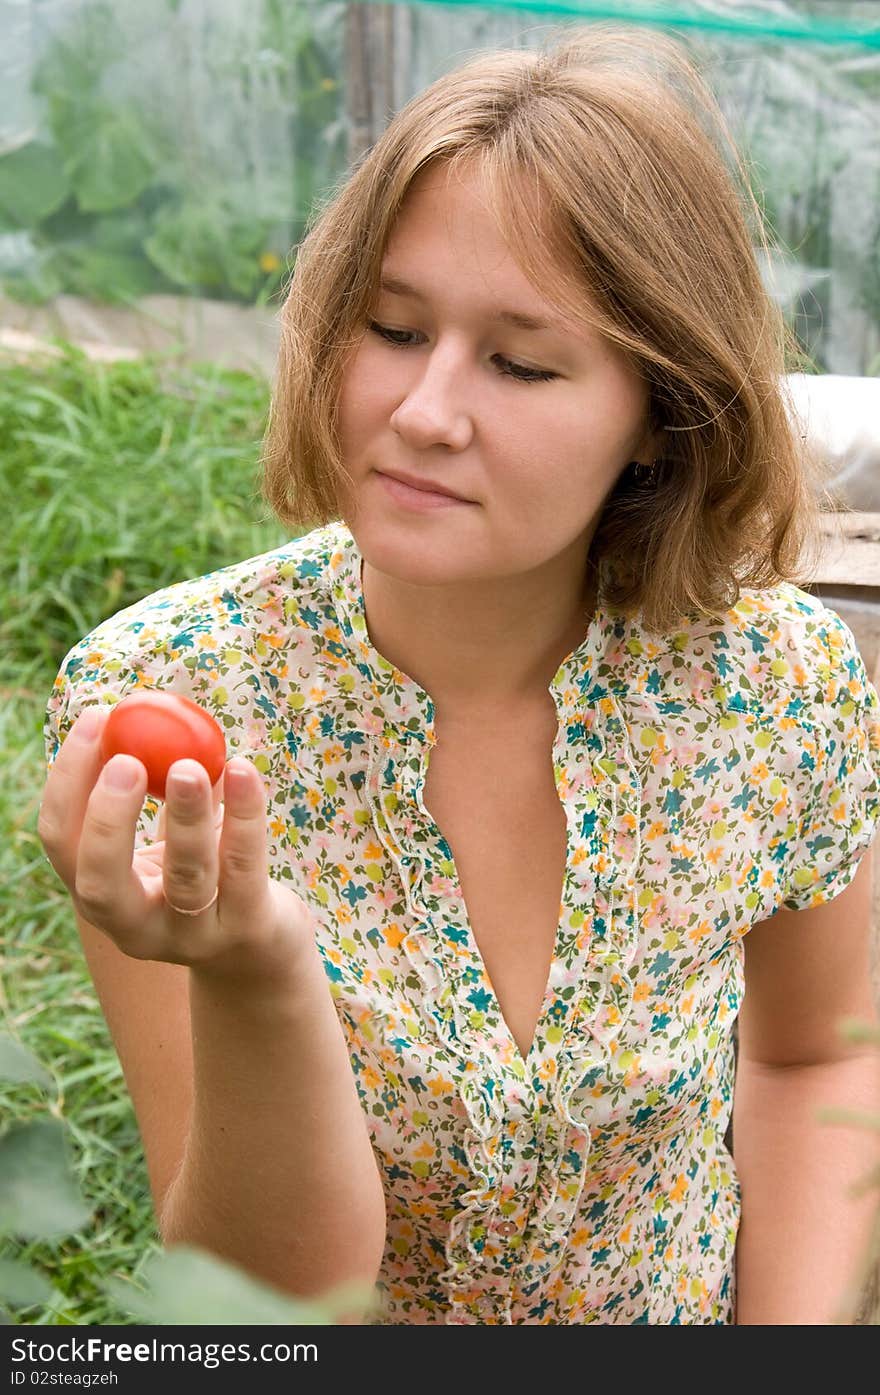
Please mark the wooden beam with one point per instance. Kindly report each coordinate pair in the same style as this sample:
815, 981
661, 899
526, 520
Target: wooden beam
850, 553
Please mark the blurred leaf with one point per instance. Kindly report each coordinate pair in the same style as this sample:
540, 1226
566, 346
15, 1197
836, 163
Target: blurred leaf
34, 285
33, 184
188, 1285
19, 1065
79, 52
21, 1285
39, 1196
209, 244
110, 276
109, 156
102, 255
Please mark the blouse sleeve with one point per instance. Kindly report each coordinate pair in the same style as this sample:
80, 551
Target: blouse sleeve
842, 805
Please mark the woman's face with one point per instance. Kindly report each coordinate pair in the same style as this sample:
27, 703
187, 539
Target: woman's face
453, 405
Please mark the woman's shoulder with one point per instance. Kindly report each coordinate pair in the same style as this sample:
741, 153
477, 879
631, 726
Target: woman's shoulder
777, 649
203, 636
248, 600
803, 646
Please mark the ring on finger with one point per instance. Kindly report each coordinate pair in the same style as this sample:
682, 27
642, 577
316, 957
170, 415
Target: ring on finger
181, 911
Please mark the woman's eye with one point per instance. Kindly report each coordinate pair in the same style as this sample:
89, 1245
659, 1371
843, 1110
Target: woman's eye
398, 338
389, 333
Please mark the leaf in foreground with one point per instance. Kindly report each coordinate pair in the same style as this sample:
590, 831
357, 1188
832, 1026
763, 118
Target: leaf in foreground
21, 1285
39, 1197
188, 1285
19, 1065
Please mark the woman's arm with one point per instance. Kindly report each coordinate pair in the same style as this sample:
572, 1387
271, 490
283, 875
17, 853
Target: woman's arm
255, 1138
803, 1239
234, 1055
278, 1173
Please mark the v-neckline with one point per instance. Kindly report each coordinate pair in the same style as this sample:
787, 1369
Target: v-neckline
600, 792
548, 751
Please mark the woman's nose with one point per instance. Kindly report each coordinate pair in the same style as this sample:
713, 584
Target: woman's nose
436, 407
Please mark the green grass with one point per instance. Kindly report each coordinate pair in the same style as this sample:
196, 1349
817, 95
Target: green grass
115, 480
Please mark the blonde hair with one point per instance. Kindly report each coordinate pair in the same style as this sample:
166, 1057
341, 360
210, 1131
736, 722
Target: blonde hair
613, 145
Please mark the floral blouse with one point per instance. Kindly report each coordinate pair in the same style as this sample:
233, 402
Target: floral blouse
709, 777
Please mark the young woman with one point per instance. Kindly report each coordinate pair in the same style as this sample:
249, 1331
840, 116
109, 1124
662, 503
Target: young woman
544, 770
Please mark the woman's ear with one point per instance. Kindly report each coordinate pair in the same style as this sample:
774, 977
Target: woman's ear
655, 441
658, 445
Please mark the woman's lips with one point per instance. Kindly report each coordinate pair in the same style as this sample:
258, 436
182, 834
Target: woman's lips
421, 500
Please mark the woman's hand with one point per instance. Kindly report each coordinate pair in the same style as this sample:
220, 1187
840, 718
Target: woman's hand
213, 838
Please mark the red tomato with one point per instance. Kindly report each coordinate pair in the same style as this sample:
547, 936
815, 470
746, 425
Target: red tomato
159, 728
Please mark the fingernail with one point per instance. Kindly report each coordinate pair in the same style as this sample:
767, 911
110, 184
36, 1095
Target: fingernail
89, 723
120, 773
181, 783
236, 779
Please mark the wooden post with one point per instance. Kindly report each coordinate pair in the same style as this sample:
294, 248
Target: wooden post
373, 36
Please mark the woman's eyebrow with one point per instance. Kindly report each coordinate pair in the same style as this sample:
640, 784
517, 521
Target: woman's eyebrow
395, 285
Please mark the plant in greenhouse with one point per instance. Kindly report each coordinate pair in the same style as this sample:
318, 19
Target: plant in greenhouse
171, 159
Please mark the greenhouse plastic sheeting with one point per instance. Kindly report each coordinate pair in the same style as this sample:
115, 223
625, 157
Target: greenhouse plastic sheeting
153, 148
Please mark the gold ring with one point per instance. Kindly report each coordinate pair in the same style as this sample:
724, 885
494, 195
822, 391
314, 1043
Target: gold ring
181, 911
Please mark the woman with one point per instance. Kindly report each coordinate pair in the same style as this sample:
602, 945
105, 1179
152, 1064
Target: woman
531, 778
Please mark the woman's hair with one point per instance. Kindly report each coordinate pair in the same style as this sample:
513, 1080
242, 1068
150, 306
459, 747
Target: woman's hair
605, 168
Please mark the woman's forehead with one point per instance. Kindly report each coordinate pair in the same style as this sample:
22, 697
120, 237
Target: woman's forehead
550, 279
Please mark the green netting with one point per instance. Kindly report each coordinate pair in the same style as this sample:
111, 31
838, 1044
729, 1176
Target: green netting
821, 21
175, 148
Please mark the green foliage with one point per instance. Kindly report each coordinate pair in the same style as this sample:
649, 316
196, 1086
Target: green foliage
210, 243
21, 1286
39, 1197
109, 155
115, 480
186, 1284
20, 1066
163, 169
33, 184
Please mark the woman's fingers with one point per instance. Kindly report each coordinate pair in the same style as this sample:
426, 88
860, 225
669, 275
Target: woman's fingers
106, 887
244, 855
68, 787
216, 805
190, 865
215, 839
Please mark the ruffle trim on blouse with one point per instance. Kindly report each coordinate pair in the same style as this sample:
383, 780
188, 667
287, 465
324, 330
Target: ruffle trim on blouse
436, 950
590, 990
600, 773
597, 776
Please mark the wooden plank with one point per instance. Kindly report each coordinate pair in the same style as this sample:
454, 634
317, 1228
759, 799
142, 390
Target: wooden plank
850, 550
854, 525
371, 70
855, 564
357, 82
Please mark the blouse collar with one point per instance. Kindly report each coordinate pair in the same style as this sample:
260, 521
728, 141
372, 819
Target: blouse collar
404, 702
